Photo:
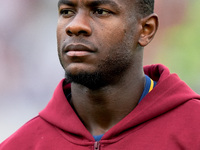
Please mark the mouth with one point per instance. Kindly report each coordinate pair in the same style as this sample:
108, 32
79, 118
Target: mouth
78, 50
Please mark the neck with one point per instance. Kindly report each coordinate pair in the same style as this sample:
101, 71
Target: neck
101, 109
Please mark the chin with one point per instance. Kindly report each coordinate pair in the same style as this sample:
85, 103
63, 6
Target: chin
90, 80
79, 68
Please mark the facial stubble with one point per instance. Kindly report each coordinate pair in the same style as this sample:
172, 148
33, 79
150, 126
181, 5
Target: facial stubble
109, 71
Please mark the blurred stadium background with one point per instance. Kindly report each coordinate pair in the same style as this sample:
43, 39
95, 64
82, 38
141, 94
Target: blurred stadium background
30, 69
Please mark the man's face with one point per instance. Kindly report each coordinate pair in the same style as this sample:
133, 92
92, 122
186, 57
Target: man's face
97, 39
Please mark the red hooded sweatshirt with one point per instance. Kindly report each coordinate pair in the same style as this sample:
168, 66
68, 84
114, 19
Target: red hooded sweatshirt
168, 118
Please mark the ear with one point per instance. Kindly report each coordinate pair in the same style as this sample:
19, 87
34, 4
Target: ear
149, 27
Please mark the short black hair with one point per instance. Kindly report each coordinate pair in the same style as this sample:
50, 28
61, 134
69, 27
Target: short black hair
145, 7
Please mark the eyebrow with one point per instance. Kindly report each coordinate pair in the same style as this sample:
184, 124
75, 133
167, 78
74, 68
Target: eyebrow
96, 3
66, 2
89, 3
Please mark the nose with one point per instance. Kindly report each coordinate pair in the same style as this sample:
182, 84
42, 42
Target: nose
79, 25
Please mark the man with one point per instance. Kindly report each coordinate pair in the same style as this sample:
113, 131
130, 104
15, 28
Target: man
108, 101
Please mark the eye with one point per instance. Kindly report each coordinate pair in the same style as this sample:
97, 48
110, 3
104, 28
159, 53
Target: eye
101, 12
66, 12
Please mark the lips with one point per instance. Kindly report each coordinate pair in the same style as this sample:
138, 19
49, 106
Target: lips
78, 50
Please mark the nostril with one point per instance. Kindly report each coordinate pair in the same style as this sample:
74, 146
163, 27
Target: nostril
69, 33
83, 32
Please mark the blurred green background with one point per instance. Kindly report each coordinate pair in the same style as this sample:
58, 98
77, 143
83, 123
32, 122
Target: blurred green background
178, 44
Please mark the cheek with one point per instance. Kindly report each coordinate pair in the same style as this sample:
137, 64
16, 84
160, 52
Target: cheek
117, 33
117, 39
61, 34
109, 38
110, 30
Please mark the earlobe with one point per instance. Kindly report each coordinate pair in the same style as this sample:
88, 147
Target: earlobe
149, 27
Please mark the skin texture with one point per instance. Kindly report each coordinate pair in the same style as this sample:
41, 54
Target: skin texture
100, 46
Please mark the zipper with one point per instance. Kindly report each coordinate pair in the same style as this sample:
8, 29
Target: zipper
96, 146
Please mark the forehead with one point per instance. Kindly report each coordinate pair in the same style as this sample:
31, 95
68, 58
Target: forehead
114, 3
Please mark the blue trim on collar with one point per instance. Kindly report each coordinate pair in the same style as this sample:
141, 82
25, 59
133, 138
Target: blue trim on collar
98, 137
147, 87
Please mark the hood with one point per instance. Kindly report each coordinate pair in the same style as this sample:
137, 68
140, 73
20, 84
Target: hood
169, 93
60, 114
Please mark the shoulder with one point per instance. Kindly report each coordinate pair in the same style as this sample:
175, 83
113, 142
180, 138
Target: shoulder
187, 113
191, 108
185, 122
30, 132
